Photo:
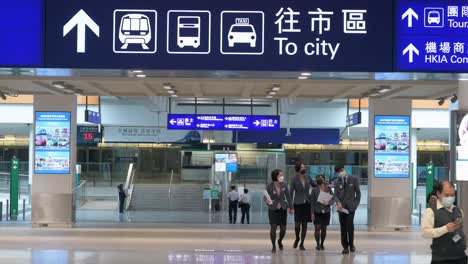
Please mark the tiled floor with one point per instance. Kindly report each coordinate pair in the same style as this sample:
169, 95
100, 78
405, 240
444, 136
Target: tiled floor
172, 243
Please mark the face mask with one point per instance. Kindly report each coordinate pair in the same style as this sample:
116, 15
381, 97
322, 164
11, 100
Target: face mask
448, 201
281, 179
320, 182
342, 174
303, 171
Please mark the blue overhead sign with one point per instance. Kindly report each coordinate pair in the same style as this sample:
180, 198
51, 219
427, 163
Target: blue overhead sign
222, 122
322, 35
21, 33
431, 36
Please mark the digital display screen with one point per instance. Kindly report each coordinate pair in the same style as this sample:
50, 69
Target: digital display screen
461, 120
88, 136
226, 162
52, 143
392, 146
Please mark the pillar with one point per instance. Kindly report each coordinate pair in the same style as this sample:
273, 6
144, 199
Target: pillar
462, 95
414, 169
52, 193
389, 203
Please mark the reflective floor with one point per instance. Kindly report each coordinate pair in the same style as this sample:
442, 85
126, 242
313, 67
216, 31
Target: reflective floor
171, 243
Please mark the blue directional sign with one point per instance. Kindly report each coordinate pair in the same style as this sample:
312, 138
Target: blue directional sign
237, 122
21, 33
353, 119
265, 122
431, 36
210, 122
176, 121
92, 117
222, 122
268, 35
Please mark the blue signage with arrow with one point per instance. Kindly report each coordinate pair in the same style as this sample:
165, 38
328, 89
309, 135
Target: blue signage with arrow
223, 122
431, 36
268, 35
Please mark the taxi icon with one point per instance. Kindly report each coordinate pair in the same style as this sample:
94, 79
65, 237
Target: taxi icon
242, 32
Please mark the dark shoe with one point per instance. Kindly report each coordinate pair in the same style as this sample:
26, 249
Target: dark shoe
317, 248
280, 245
296, 243
273, 250
352, 248
322, 247
301, 247
345, 251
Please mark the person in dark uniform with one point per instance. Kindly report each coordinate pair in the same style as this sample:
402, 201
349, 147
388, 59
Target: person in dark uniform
277, 198
443, 222
300, 194
321, 211
347, 196
122, 196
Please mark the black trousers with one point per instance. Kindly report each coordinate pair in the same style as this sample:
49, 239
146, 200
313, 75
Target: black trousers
458, 261
347, 229
233, 211
245, 209
121, 205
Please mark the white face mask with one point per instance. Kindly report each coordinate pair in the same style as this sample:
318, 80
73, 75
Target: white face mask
342, 174
448, 201
281, 179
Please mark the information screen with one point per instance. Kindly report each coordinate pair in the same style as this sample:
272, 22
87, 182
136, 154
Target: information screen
461, 120
52, 143
226, 162
392, 146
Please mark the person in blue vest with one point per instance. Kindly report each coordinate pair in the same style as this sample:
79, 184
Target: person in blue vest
443, 222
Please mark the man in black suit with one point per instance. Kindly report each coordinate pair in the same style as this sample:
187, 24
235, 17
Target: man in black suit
347, 197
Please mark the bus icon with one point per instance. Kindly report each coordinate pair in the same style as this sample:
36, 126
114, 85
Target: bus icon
433, 17
188, 31
135, 31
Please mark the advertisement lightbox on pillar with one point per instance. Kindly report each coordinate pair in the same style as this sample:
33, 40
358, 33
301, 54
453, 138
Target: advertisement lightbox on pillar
14, 188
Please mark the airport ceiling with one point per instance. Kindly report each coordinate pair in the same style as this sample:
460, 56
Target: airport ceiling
214, 84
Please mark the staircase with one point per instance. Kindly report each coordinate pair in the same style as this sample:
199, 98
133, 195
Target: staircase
186, 197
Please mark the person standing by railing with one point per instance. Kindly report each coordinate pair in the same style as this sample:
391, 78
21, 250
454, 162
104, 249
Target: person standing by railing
122, 196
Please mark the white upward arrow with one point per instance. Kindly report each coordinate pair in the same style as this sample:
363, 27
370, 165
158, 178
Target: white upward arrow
410, 14
81, 20
411, 49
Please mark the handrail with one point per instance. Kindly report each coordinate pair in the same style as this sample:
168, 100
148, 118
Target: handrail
170, 184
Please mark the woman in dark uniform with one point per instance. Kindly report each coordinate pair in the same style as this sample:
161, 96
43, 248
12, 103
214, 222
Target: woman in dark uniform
300, 194
279, 202
321, 211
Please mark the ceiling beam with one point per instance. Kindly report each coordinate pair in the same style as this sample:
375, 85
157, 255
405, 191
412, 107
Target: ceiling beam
97, 88
148, 90
296, 91
394, 92
444, 93
197, 90
247, 90
47, 88
347, 92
